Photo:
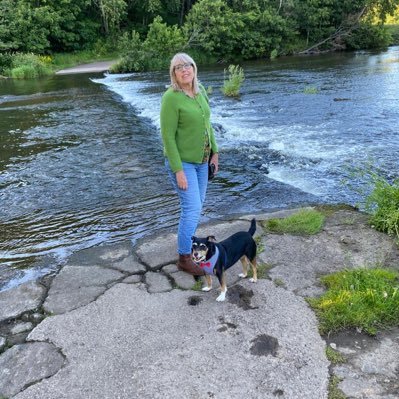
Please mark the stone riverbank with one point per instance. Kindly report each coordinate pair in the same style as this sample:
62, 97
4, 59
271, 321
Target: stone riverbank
119, 321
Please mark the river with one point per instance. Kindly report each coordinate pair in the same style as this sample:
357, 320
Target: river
81, 157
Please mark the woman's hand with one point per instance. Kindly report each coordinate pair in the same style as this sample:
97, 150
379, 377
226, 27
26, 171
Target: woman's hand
215, 161
181, 180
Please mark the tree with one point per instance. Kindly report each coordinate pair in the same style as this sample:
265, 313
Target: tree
112, 13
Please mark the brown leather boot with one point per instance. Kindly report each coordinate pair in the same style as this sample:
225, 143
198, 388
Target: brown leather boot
187, 265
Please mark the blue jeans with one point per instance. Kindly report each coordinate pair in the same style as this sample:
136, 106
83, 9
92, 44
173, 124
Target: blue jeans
191, 201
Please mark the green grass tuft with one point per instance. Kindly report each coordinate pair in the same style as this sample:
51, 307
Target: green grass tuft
310, 90
366, 299
334, 356
333, 391
262, 270
304, 222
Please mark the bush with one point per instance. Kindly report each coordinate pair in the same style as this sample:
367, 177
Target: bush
231, 87
369, 36
155, 52
28, 66
5, 62
383, 204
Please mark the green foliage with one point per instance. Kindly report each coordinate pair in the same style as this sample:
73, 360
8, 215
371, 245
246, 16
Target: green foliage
231, 86
154, 52
383, 204
246, 31
333, 391
5, 62
28, 66
162, 42
306, 221
226, 30
366, 299
334, 356
368, 35
393, 31
310, 90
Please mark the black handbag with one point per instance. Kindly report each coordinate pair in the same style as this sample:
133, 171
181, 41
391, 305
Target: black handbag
211, 168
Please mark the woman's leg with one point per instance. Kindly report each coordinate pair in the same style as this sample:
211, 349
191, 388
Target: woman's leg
191, 201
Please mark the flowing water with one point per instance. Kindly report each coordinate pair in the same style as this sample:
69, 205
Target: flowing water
81, 157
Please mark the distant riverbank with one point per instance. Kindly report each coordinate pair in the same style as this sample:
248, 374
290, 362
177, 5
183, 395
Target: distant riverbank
99, 66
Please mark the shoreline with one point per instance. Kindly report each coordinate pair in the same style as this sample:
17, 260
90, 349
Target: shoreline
99, 66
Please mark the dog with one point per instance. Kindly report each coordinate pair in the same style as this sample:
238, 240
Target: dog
216, 258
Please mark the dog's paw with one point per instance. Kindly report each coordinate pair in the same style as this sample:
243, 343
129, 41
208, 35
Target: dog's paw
242, 275
221, 297
206, 289
252, 280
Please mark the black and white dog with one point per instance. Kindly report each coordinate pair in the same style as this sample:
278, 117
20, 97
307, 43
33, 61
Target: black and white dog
216, 257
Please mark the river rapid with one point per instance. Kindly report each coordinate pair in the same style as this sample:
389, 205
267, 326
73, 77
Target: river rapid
81, 160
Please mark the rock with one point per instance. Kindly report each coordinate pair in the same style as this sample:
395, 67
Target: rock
132, 344
102, 255
149, 250
183, 280
157, 283
61, 302
134, 279
21, 299
3, 342
77, 286
21, 327
129, 265
169, 269
26, 364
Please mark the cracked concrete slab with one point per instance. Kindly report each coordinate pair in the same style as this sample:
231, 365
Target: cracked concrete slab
138, 345
16, 371
23, 298
137, 336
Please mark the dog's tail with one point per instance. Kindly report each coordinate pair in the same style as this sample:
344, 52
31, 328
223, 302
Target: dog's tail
252, 229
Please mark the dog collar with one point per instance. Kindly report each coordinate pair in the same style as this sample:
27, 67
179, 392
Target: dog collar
208, 265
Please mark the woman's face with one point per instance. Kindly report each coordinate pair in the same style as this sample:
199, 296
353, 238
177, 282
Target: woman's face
184, 72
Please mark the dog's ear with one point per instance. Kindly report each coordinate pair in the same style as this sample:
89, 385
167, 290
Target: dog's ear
193, 238
211, 238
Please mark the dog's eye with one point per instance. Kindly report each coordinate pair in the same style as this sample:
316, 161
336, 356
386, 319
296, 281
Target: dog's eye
194, 245
203, 247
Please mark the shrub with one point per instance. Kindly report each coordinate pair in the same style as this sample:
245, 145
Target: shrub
383, 204
28, 66
5, 62
155, 52
24, 72
366, 299
231, 86
306, 221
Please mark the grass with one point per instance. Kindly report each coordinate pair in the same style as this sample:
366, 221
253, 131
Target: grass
333, 391
197, 285
262, 270
365, 299
304, 222
279, 283
334, 356
310, 90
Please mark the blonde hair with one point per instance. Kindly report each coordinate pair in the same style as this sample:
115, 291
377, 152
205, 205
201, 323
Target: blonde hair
182, 58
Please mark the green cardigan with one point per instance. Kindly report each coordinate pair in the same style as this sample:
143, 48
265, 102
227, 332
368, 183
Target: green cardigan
184, 121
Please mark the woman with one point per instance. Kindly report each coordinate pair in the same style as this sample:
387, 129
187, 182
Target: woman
188, 140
